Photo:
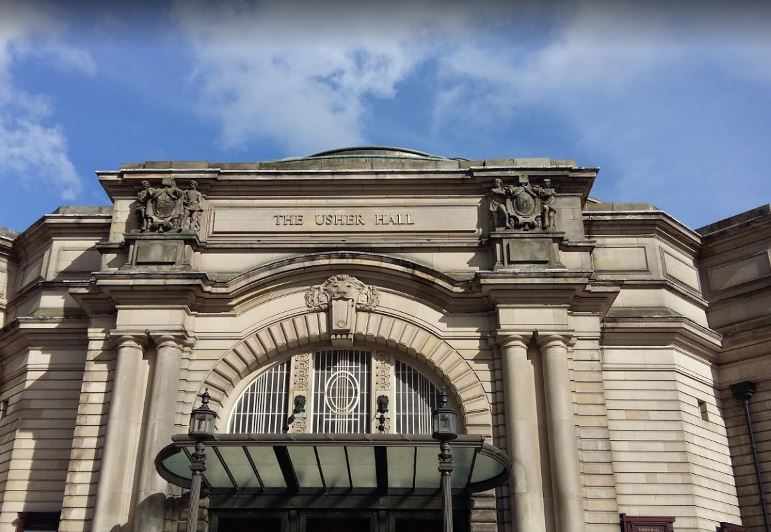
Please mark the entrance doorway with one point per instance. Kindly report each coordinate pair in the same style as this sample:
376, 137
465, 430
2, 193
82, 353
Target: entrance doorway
332, 521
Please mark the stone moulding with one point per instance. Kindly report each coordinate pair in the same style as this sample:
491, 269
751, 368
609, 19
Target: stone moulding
305, 332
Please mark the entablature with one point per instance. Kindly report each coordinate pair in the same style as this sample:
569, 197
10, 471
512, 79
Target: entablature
619, 223
659, 327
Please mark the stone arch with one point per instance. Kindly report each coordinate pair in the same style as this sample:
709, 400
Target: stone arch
308, 330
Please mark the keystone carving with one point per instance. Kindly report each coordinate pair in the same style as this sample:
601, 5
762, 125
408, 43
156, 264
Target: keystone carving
168, 208
523, 206
341, 295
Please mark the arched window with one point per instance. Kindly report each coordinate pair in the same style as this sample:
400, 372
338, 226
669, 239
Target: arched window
262, 407
341, 398
415, 400
347, 394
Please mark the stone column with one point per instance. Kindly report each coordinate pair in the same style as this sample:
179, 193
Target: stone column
566, 480
522, 435
158, 429
124, 427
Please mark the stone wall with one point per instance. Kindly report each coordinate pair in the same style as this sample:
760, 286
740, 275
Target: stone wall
597, 474
43, 392
668, 460
88, 436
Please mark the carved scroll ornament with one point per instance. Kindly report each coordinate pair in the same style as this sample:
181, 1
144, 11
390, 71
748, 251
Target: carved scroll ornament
341, 295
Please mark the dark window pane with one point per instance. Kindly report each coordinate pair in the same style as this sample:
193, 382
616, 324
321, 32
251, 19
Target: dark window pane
249, 524
321, 524
39, 521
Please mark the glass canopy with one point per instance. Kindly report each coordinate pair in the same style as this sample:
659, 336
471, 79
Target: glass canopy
345, 463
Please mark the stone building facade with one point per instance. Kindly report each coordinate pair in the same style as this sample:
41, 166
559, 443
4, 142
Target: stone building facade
598, 344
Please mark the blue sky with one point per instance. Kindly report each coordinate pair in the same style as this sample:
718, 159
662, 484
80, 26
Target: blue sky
673, 104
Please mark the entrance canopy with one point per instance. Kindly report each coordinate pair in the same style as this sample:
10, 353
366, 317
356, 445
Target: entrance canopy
344, 463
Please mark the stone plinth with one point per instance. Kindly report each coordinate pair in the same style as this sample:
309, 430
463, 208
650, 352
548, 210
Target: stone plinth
161, 251
524, 249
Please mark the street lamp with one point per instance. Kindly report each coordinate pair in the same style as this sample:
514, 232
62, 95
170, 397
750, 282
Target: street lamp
445, 429
201, 428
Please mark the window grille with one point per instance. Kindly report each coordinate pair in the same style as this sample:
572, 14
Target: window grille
415, 400
262, 408
341, 392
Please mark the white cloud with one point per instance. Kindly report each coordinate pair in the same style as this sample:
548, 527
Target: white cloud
300, 73
35, 151
641, 87
31, 148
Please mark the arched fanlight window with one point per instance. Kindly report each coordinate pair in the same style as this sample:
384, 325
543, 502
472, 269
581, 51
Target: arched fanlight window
262, 407
341, 399
415, 399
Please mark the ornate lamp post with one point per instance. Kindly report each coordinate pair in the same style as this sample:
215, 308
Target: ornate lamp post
201, 429
445, 429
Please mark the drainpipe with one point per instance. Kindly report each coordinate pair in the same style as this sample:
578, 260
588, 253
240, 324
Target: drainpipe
743, 392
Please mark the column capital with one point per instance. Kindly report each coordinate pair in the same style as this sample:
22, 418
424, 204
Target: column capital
562, 338
178, 339
124, 339
513, 338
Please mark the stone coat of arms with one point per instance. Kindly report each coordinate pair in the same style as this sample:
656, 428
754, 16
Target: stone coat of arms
523, 206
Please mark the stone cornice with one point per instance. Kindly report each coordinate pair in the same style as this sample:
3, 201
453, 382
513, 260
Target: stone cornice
23, 333
6, 244
85, 225
661, 330
572, 289
738, 239
314, 178
201, 293
641, 223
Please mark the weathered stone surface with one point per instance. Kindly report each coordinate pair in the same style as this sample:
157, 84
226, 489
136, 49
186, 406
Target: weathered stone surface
594, 342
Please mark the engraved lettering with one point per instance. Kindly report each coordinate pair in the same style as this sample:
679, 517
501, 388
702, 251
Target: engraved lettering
392, 218
287, 219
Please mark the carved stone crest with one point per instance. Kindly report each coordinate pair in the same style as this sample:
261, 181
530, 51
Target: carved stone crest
522, 206
341, 295
168, 208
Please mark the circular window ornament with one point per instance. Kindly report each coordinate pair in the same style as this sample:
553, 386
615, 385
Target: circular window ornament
341, 393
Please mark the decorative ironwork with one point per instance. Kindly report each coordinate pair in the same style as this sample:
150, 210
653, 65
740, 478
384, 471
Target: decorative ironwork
415, 400
338, 384
445, 430
262, 407
341, 391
